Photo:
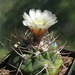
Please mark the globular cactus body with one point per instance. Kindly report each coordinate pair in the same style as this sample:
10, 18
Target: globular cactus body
48, 61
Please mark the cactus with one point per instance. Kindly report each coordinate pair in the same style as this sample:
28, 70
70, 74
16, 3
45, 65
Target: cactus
37, 53
35, 59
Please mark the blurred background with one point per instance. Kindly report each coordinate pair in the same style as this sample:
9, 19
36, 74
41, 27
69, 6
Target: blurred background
11, 12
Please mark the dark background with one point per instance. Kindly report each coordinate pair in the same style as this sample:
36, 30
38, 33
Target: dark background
11, 12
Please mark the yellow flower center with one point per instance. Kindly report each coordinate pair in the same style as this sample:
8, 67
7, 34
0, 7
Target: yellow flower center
40, 22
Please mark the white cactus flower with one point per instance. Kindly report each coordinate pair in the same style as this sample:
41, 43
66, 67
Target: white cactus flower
39, 21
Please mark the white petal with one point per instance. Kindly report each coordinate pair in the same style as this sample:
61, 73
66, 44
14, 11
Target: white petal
47, 12
32, 14
28, 23
24, 22
26, 17
46, 15
52, 19
38, 14
49, 24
